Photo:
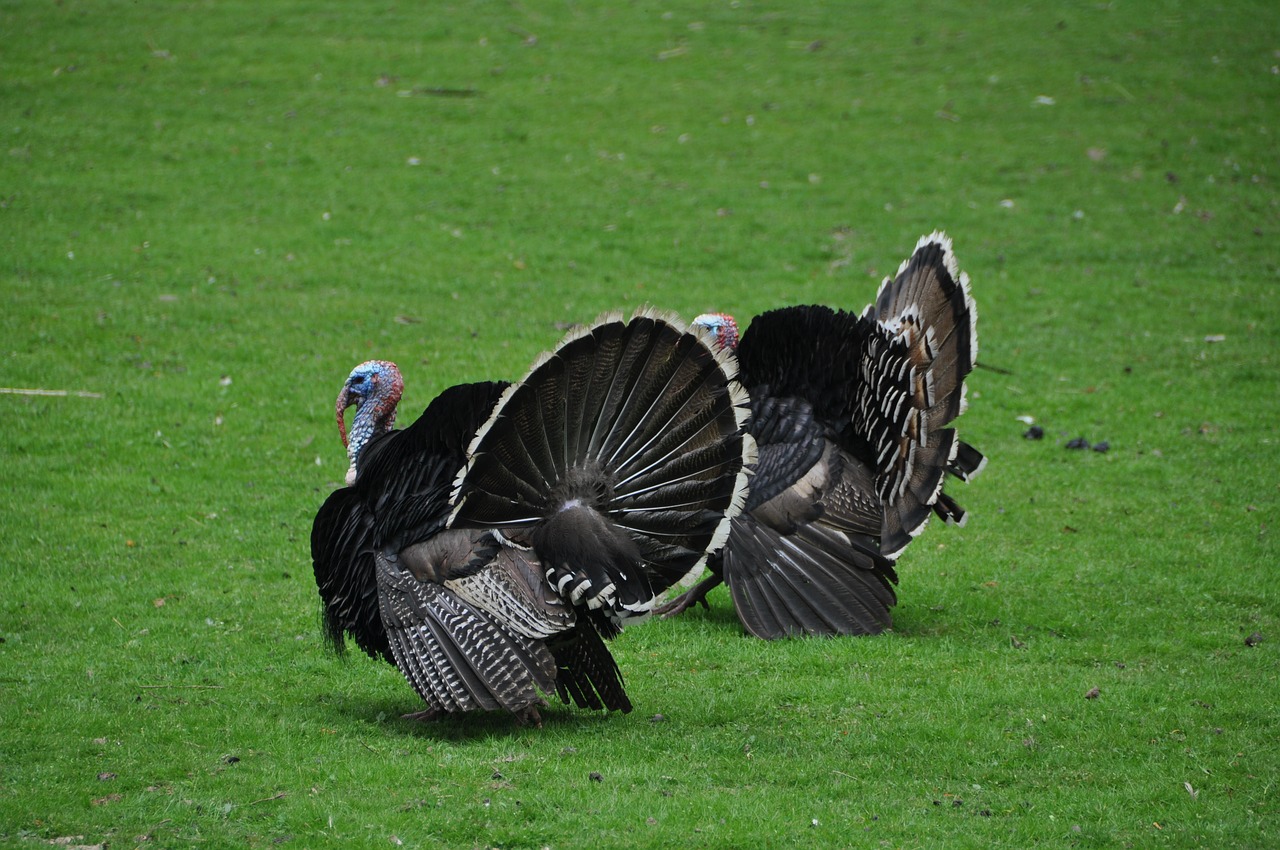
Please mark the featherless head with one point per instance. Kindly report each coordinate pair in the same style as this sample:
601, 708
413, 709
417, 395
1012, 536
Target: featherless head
721, 326
374, 388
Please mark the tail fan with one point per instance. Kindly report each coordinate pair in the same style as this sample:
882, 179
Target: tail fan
620, 457
920, 345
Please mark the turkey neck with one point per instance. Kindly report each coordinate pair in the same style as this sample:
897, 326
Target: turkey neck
374, 417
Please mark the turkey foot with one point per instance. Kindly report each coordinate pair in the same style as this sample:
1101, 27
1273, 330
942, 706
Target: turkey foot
528, 716
696, 595
424, 716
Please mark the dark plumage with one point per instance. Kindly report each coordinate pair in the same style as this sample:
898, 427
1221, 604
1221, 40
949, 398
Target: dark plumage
486, 549
851, 415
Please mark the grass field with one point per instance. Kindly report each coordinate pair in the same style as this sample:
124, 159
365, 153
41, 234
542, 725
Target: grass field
210, 211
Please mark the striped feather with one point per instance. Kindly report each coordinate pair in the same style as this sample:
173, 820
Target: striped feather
454, 656
921, 343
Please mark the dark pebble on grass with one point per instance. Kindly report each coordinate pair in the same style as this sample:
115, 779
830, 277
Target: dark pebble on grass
595, 777
230, 759
106, 777
1078, 443
1253, 639
1101, 447
957, 803
1035, 432
986, 813
1092, 693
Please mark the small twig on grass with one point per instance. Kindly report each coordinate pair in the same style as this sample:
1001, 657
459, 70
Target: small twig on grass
1128, 95
150, 833
366, 746
38, 391
998, 370
527, 38
278, 795
842, 773
440, 91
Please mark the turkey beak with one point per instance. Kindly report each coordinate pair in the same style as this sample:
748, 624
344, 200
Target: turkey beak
344, 401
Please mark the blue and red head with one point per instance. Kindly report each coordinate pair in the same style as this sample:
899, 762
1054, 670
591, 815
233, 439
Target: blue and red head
722, 327
374, 388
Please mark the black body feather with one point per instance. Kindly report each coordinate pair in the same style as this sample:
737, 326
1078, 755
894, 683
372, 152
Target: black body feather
402, 494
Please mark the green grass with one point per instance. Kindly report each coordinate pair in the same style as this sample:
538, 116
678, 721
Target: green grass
209, 212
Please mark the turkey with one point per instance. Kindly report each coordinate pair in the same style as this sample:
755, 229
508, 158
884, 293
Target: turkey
488, 549
851, 415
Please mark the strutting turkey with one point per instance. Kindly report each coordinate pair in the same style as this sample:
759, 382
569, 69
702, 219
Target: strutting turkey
488, 548
852, 418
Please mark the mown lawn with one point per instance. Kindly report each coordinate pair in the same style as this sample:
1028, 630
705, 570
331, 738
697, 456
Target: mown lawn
210, 211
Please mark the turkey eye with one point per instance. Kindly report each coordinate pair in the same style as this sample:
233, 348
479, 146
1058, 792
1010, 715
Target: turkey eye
357, 379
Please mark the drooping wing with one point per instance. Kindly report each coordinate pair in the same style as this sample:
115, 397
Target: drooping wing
457, 657
803, 558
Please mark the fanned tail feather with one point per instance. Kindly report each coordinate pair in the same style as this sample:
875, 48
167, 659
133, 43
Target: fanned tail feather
920, 345
967, 462
622, 453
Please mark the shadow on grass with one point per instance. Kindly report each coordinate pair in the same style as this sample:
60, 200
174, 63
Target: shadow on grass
909, 620
917, 621
345, 711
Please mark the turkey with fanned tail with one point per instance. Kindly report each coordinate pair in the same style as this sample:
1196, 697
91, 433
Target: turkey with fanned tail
490, 547
852, 417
